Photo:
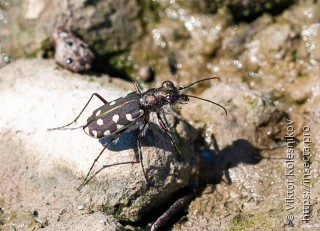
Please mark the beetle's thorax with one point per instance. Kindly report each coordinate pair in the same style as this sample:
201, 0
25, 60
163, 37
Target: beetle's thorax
151, 100
155, 98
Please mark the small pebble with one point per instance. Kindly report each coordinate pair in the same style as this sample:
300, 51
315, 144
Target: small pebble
80, 207
146, 73
103, 222
71, 52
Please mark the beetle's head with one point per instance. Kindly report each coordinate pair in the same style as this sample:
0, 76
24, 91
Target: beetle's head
168, 93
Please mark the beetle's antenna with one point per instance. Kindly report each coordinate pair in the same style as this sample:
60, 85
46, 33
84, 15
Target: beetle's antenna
181, 88
192, 96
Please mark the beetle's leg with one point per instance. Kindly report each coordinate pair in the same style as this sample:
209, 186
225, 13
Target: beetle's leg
141, 130
136, 87
162, 113
86, 179
174, 113
75, 120
98, 171
166, 130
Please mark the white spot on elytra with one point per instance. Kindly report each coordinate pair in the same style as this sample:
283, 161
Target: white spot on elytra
95, 133
129, 117
112, 103
100, 122
98, 113
141, 112
86, 130
119, 126
115, 118
107, 132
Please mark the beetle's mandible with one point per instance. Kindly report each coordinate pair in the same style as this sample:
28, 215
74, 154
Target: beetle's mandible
114, 117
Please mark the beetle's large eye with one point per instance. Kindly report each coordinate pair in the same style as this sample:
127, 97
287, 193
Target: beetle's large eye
168, 84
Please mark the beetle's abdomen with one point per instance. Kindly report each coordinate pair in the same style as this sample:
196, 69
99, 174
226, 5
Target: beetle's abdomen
114, 116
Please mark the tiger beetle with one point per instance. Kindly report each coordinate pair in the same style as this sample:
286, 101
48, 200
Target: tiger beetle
114, 117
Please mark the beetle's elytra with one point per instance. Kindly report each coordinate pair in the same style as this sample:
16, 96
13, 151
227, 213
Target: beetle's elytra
114, 117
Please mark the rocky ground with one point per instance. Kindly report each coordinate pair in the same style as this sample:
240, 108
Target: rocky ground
253, 169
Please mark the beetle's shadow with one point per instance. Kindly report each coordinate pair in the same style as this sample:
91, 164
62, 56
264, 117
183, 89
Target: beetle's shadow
150, 138
215, 163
